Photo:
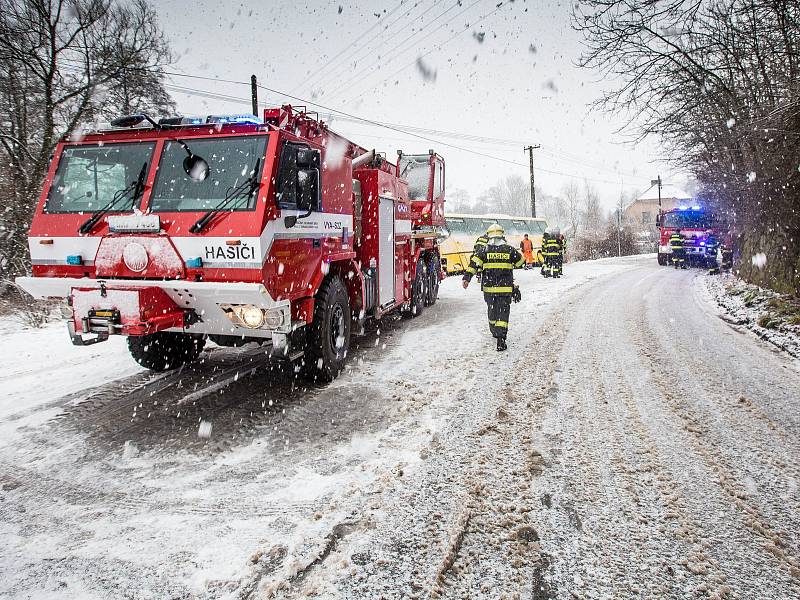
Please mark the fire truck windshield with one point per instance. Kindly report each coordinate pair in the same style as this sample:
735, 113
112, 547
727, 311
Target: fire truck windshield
87, 177
231, 161
686, 219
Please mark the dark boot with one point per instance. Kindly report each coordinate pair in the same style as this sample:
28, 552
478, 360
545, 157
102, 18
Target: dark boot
501, 344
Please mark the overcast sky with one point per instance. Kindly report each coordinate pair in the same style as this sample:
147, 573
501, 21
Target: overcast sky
467, 67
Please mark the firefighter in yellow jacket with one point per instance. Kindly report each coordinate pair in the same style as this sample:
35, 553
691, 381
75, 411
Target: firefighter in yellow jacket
497, 261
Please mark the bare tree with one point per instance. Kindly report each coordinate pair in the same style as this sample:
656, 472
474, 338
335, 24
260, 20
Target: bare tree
458, 201
64, 63
716, 80
510, 195
591, 217
552, 208
571, 193
482, 205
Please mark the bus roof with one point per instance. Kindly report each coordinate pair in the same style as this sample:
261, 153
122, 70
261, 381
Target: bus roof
492, 217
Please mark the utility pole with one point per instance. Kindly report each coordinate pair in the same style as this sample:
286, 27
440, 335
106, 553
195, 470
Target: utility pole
658, 183
254, 93
529, 150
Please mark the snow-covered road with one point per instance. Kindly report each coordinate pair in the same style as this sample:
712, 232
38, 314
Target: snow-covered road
629, 444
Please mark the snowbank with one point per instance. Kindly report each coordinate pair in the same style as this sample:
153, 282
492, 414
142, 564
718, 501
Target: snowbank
771, 316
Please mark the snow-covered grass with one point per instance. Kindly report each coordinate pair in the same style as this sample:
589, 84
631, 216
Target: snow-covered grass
773, 317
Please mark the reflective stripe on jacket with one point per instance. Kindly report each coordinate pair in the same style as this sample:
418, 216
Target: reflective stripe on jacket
497, 263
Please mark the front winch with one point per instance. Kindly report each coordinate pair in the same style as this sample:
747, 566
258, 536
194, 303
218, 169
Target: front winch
128, 311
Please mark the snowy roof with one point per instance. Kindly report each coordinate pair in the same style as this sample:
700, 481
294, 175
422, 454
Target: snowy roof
668, 190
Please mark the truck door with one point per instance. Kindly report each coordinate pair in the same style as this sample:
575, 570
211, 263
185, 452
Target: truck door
386, 258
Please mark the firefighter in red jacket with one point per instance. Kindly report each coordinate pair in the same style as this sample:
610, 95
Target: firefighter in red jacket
497, 261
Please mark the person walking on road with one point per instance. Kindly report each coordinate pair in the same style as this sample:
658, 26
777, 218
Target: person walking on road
526, 247
497, 261
678, 248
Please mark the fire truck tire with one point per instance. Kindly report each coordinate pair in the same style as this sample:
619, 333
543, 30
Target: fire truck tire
165, 350
419, 290
434, 277
663, 259
328, 339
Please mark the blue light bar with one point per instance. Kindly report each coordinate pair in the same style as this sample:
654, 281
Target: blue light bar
240, 119
683, 208
194, 263
697, 207
75, 260
174, 121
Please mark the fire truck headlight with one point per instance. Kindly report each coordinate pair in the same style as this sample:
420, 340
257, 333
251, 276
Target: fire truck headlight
251, 316
274, 319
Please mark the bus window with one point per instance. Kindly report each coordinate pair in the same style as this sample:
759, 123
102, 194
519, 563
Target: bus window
456, 225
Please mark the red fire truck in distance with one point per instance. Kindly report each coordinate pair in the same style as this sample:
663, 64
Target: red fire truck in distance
696, 225
235, 229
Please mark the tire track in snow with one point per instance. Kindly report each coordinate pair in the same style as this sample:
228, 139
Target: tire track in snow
496, 540
618, 549
703, 428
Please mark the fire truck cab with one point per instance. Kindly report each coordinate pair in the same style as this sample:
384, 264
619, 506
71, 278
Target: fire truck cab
697, 226
234, 228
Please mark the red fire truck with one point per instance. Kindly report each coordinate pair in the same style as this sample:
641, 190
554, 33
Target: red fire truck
699, 229
234, 228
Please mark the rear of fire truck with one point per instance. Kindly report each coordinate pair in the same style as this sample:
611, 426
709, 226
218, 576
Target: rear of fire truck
235, 229
699, 229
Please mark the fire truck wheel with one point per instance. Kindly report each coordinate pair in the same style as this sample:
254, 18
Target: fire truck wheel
165, 350
329, 335
419, 290
434, 276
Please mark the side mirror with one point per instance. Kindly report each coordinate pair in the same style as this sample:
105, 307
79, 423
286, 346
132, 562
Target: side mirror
196, 167
307, 189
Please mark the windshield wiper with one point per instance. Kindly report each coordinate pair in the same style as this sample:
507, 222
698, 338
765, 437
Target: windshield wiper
137, 187
243, 190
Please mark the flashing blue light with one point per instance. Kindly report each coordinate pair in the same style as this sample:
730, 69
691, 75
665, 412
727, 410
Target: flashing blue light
239, 119
683, 208
696, 207
194, 263
75, 260
175, 121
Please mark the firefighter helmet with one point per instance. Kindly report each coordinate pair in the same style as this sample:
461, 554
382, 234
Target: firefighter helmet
495, 230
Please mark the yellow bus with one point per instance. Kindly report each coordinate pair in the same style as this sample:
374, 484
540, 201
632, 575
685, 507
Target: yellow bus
465, 229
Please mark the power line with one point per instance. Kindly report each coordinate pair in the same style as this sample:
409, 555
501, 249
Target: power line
246, 101
344, 62
321, 69
439, 47
376, 65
